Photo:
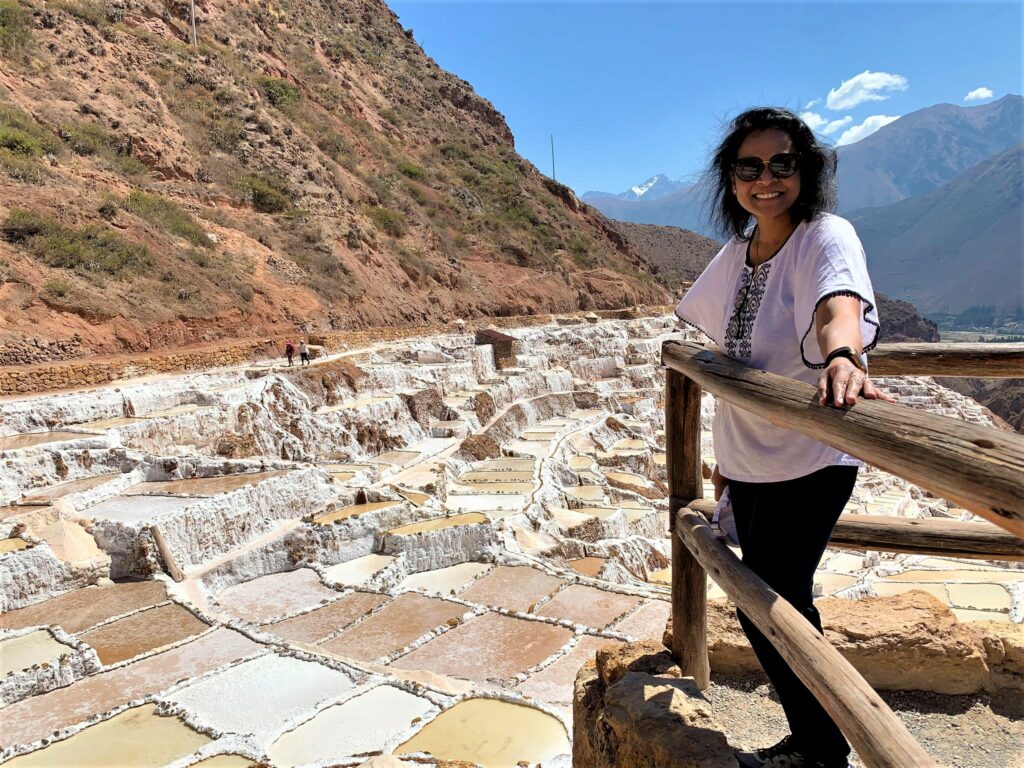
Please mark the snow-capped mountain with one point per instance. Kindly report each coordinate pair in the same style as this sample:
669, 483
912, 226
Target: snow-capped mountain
655, 187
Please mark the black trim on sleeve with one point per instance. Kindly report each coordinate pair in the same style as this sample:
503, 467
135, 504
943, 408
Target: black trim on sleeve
694, 325
868, 308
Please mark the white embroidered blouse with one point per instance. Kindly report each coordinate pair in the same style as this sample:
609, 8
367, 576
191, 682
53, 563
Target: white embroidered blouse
764, 317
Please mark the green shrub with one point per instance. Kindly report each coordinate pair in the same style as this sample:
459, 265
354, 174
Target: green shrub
21, 128
281, 93
86, 138
168, 216
19, 142
266, 196
21, 168
92, 13
333, 144
90, 248
388, 221
57, 287
412, 171
15, 32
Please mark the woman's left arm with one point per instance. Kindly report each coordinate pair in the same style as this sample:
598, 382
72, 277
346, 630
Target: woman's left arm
837, 322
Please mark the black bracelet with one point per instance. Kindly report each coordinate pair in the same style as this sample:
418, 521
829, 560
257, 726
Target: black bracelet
850, 354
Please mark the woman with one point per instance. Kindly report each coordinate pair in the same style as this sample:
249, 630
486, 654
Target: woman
790, 294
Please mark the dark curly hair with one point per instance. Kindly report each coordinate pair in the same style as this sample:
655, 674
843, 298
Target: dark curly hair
817, 170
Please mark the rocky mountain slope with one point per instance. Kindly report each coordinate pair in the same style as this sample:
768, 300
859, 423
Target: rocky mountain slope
305, 166
956, 246
925, 149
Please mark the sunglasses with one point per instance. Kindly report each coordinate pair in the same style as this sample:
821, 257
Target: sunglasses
782, 166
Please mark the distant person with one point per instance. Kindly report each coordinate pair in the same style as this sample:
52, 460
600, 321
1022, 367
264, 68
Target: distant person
289, 352
303, 352
790, 294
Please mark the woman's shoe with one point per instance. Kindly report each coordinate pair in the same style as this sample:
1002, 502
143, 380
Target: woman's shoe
785, 754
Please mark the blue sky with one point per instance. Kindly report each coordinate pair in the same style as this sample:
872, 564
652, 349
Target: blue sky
630, 89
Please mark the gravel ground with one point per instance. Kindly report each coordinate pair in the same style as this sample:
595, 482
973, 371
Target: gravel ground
958, 731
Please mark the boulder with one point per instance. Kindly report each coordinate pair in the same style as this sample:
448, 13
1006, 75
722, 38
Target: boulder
632, 709
906, 642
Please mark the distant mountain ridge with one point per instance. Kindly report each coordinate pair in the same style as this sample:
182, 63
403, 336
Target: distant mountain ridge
925, 149
956, 246
652, 189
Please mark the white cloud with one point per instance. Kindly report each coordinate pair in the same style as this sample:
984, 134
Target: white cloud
867, 86
812, 103
869, 126
814, 121
978, 94
823, 125
835, 125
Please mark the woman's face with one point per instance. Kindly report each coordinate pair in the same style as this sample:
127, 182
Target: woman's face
766, 197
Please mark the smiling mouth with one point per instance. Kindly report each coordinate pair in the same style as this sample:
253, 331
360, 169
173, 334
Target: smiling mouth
766, 195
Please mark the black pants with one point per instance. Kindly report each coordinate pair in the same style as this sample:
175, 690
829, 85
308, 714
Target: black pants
784, 529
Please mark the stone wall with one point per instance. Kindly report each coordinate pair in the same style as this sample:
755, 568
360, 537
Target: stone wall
72, 374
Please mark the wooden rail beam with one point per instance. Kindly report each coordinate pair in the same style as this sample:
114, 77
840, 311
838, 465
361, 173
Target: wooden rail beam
979, 468
689, 580
927, 536
916, 536
980, 360
879, 737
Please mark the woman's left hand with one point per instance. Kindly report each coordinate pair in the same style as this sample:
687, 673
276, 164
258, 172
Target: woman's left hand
841, 382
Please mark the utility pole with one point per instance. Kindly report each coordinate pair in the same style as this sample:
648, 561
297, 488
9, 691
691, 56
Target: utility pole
555, 178
193, 6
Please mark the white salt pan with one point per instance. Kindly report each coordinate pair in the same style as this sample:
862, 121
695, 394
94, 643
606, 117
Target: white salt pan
261, 696
444, 580
370, 722
356, 572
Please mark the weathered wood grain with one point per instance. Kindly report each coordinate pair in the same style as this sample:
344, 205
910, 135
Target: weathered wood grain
979, 360
979, 468
689, 581
879, 737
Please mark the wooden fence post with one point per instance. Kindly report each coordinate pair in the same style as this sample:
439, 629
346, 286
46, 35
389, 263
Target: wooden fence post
686, 484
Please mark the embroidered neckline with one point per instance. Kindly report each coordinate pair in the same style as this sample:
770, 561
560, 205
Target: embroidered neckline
740, 328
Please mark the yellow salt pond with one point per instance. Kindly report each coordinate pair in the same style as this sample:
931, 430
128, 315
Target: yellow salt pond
889, 589
588, 566
491, 486
23, 651
398, 458
629, 445
626, 478
137, 737
509, 464
224, 761
496, 476
580, 462
602, 513
991, 597
32, 439
353, 511
47, 495
356, 572
992, 577
585, 492
471, 518
414, 497
970, 614
12, 545
491, 733
661, 576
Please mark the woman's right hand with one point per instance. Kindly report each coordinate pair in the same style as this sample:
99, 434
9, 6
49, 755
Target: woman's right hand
719, 482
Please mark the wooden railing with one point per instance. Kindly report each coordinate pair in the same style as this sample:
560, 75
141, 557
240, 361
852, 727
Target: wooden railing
979, 468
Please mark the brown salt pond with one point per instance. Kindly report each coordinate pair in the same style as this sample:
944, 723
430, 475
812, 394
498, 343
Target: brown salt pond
18, 653
32, 439
627, 478
394, 626
137, 737
323, 622
515, 588
274, 595
491, 733
439, 523
588, 566
48, 495
366, 724
83, 608
589, 606
202, 486
12, 545
554, 683
353, 511
35, 718
488, 647
143, 632
647, 621
414, 497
